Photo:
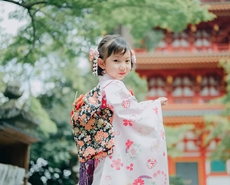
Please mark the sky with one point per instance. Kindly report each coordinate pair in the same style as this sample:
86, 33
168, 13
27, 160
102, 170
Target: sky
9, 26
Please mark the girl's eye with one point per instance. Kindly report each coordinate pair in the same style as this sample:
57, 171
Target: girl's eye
115, 60
127, 61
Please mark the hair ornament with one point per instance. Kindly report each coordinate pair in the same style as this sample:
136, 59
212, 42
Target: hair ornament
133, 56
93, 56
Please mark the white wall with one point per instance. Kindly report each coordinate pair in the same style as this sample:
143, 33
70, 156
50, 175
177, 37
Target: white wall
218, 180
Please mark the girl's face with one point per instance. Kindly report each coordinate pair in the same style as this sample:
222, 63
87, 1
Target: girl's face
117, 65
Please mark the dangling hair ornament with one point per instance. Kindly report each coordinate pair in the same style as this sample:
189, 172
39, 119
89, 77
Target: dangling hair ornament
93, 56
133, 56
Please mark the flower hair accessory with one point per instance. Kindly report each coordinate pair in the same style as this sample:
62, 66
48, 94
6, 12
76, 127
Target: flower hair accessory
133, 56
93, 56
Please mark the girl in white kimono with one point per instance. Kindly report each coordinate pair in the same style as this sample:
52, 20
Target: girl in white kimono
124, 138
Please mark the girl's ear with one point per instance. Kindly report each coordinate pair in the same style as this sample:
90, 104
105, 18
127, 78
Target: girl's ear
101, 63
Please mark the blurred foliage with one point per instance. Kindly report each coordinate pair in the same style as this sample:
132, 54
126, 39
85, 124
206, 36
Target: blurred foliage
2, 84
137, 84
46, 126
151, 39
73, 23
218, 126
57, 149
175, 180
173, 136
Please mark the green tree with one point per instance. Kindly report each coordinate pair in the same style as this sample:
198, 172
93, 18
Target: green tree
176, 180
218, 126
74, 24
139, 85
174, 135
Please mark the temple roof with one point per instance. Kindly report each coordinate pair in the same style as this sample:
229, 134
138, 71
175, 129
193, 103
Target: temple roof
219, 6
180, 60
176, 114
191, 109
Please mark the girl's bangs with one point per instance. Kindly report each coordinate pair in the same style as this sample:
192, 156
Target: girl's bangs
118, 47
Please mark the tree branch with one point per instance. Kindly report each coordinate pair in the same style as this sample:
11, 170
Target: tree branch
50, 32
52, 18
33, 26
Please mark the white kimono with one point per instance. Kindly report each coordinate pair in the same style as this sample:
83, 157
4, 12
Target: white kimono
139, 156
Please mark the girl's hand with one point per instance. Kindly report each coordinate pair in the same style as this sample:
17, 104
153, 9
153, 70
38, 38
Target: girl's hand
163, 100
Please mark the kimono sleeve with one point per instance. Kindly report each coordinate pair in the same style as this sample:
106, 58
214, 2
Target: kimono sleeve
124, 104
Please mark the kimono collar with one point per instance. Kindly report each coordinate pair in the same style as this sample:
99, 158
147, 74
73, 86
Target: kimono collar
105, 77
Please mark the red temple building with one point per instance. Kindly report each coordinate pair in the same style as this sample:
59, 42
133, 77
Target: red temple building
184, 68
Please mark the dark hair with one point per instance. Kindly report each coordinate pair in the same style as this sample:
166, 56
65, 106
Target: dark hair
112, 44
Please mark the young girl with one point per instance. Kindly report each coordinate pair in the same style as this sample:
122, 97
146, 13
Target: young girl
120, 141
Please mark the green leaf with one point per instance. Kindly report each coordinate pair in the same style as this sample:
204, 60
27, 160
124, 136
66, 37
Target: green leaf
47, 126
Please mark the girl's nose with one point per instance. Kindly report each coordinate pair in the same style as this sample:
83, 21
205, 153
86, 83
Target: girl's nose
122, 67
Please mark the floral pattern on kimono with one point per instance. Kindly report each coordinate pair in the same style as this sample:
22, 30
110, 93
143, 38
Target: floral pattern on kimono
139, 156
92, 127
